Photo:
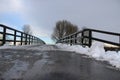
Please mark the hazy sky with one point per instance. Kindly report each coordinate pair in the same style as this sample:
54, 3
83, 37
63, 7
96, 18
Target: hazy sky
43, 14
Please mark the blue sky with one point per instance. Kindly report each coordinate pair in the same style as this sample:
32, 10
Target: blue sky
42, 15
13, 20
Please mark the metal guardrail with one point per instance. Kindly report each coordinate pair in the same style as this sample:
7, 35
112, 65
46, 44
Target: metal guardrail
85, 37
18, 37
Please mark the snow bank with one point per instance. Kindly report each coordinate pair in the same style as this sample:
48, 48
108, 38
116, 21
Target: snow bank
113, 58
95, 51
76, 48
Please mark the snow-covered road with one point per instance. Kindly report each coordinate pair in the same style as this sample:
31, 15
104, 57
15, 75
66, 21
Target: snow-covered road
48, 62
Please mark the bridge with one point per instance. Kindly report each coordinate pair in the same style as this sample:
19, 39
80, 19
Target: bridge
35, 60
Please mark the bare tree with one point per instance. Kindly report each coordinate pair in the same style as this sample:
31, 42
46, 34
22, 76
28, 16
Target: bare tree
27, 29
63, 28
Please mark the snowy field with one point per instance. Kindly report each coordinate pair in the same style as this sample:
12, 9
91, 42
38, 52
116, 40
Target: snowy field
95, 51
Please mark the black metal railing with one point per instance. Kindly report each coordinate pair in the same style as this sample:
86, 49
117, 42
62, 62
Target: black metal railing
16, 37
85, 37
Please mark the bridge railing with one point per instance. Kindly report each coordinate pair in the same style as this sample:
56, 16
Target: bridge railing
16, 37
87, 36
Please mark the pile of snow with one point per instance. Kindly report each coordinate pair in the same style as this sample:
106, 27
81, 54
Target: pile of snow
76, 48
113, 58
95, 51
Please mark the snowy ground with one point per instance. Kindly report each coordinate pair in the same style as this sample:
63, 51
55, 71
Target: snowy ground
16, 61
95, 51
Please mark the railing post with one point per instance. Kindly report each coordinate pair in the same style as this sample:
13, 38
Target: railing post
71, 40
32, 39
4, 36
35, 40
68, 39
29, 39
25, 39
75, 38
15, 37
65, 41
90, 36
21, 38
82, 36
119, 42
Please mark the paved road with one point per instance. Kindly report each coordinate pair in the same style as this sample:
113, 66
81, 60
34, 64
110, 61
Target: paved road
72, 66
63, 65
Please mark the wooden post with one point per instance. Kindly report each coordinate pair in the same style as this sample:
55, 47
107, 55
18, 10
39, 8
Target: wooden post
4, 36
63, 40
25, 39
29, 39
75, 38
35, 40
82, 36
71, 40
32, 40
90, 36
15, 37
119, 42
21, 38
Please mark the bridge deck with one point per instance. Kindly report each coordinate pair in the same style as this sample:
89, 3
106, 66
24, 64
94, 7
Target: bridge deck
50, 63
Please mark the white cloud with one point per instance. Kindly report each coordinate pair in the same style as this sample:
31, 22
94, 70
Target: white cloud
11, 6
100, 14
17, 5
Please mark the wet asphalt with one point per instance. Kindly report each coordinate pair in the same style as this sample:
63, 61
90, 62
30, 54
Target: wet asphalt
73, 66
64, 65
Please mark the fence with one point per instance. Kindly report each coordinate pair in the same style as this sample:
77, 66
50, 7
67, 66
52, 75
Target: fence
85, 37
15, 37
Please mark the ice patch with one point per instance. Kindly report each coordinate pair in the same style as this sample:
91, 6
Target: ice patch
38, 68
17, 71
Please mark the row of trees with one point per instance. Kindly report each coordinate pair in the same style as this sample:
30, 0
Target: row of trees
62, 29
